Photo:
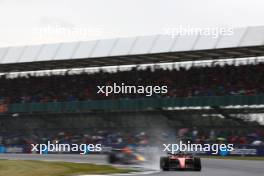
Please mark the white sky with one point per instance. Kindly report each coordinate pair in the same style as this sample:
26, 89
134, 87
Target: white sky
24, 22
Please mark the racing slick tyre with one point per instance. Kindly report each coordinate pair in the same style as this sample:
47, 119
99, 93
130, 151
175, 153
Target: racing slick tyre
112, 158
197, 164
164, 163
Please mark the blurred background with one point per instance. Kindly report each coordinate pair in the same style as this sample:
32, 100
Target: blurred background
211, 102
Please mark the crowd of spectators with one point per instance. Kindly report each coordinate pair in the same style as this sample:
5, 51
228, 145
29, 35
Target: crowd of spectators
140, 138
182, 82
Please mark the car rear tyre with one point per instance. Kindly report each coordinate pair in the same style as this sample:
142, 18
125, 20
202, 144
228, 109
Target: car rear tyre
197, 164
112, 158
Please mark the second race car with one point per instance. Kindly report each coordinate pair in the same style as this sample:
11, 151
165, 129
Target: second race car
125, 155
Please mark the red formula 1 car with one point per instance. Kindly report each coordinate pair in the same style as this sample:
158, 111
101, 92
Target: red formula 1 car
180, 161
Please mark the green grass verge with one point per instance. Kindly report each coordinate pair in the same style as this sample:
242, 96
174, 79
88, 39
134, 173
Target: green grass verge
43, 168
236, 157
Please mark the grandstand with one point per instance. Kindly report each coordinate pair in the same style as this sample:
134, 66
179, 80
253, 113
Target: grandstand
220, 98
245, 42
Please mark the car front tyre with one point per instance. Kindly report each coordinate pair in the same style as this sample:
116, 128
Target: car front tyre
164, 163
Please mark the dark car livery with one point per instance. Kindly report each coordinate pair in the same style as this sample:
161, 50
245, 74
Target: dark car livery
125, 155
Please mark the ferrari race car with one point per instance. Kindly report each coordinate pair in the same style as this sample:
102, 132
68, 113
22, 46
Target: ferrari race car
180, 161
125, 155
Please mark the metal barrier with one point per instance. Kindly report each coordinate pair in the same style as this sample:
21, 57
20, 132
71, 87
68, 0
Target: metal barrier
135, 104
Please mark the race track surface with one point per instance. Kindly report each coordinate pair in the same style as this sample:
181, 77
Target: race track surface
210, 167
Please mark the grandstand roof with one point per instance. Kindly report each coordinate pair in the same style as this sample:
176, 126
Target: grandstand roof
245, 42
